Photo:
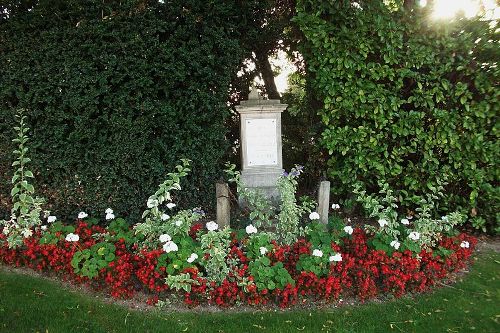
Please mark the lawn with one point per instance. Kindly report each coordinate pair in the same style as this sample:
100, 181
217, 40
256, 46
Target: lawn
30, 304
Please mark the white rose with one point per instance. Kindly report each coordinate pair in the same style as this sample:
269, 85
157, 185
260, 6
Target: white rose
51, 219
348, 229
82, 215
336, 257
263, 250
165, 238
405, 221
382, 222
395, 244
317, 253
152, 203
314, 216
71, 237
192, 257
164, 217
27, 233
110, 216
170, 247
250, 229
171, 205
414, 235
108, 211
464, 245
212, 226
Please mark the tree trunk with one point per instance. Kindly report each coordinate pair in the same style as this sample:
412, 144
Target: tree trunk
265, 69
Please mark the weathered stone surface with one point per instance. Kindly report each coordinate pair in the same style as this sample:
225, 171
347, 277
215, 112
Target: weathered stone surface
223, 205
324, 201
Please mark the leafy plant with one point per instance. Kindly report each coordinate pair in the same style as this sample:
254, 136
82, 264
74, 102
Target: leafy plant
216, 245
89, 262
268, 276
26, 208
181, 281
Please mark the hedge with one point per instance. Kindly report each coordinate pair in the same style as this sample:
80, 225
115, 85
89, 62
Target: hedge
117, 92
407, 101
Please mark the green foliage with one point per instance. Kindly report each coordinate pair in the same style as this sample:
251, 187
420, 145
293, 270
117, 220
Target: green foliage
118, 91
267, 276
90, 261
216, 245
182, 281
26, 209
120, 229
176, 261
157, 220
261, 211
287, 228
416, 233
406, 101
56, 232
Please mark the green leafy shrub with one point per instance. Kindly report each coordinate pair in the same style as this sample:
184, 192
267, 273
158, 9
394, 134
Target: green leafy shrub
117, 93
406, 101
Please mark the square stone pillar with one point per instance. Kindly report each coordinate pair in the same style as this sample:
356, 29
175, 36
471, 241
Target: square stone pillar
261, 146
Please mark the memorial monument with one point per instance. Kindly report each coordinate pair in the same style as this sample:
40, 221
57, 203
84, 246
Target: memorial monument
261, 153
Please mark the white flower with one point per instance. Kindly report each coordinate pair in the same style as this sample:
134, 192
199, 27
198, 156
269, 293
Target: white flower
336, 257
314, 216
212, 226
43, 227
165, 217
170, 247
414, 235
444, 218
165, 238
82, 215
6, 230
192, 257
335, 206
250, 229
178, 223
382, 222
71, 237
348, 229
108, 211
27, 233
51, 219
171, 205
317, 253
152, 203
464, 245
395, 244
263, 250
110, 216
405, 221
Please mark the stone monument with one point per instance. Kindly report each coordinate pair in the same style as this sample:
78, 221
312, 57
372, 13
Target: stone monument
261, 155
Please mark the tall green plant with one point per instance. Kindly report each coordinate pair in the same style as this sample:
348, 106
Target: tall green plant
26, 208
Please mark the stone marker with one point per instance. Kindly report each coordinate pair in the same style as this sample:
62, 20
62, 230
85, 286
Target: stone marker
324, 201
223, 205
261, 155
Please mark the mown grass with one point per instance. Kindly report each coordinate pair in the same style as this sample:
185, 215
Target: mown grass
30, 304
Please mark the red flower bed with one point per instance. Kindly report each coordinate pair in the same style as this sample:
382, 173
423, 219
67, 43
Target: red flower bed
362, 272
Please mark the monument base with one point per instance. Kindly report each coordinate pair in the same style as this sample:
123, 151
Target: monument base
264, 181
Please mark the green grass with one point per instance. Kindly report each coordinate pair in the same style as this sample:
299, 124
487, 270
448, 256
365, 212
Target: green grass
29, 304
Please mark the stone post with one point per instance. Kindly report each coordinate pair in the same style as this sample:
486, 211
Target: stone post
324, 201
223, 205
261, 152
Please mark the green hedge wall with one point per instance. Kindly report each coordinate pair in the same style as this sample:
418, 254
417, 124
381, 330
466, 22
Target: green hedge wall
116, 94
407, 101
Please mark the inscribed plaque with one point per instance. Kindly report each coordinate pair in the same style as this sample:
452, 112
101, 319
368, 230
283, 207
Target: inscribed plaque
262, 147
